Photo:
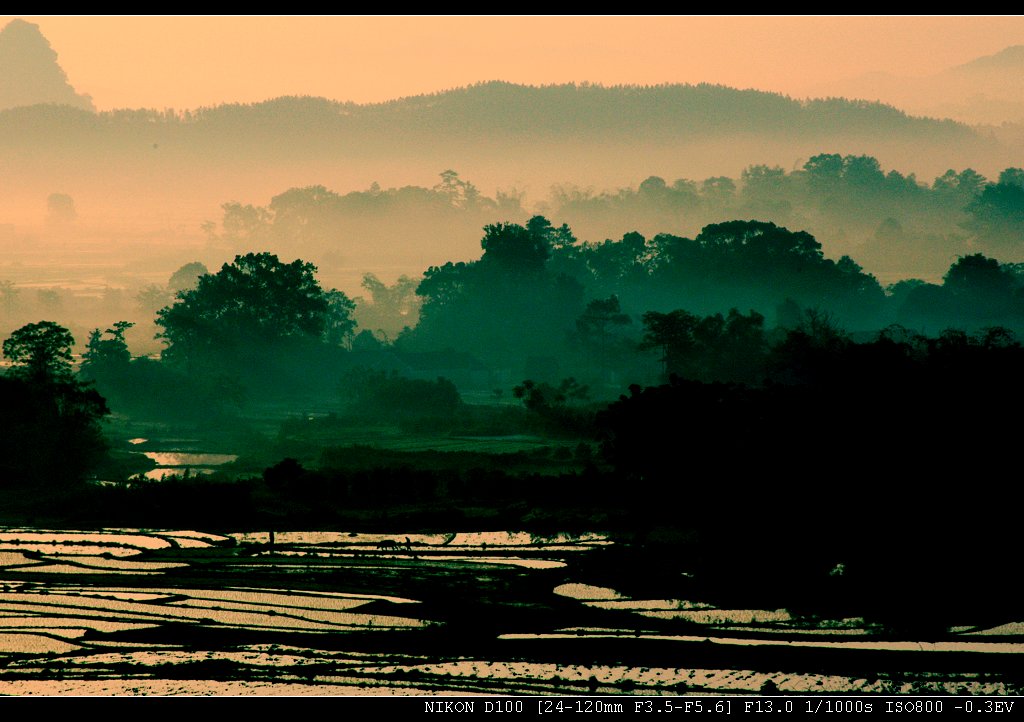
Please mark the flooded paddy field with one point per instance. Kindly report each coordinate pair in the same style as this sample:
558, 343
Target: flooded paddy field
129, 611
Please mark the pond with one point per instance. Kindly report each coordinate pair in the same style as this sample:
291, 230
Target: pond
177, 457
179, 462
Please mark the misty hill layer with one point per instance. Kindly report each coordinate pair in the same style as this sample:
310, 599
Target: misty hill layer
496, 133
559, 111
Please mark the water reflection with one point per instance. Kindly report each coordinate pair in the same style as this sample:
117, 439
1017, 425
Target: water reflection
176, 462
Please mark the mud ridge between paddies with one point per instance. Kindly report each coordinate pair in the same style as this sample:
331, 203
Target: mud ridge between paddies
168, 612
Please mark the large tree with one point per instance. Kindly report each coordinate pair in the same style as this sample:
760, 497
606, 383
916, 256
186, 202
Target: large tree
255, 301
40, 352
187, 277
507, 306
49, 421
712, 348
996, 215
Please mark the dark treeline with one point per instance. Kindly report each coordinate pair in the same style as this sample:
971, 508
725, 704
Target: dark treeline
539, 298
904, 232
537, 305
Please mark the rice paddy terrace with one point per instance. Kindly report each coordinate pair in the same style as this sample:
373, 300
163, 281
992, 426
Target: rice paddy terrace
132, 612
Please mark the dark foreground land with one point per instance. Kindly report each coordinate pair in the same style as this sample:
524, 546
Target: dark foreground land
847, 524
126, 612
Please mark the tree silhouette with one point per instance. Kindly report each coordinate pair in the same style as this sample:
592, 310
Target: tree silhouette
8, 296
256, 300
41, 352
715, 347
303, 215
595, 327
997, 214
60, 209
673, 333
978, 275
151, 298
339, 325
514, 248
965, 185
49, 421
106, 354
507, 306
1012, 176
460, 193
187, 277
555, 238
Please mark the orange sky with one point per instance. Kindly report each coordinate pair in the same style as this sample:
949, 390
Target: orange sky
188, 61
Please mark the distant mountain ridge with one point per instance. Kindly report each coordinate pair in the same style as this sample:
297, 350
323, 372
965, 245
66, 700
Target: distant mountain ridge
986, 90
1007, 58
569, 108
29, 72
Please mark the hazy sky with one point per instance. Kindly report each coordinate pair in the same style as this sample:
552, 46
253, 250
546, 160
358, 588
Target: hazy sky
188, 61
